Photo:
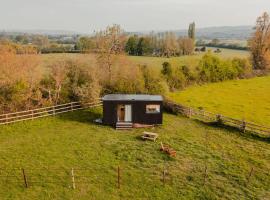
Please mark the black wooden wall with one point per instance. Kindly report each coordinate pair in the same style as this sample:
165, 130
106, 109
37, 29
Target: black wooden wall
139, 114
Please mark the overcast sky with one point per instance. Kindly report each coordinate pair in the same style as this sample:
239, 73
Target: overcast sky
133, 15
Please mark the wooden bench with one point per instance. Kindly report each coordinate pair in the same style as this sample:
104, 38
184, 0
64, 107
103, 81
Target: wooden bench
165, 148
149, 136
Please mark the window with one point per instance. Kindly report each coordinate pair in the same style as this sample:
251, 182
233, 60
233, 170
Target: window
152, 108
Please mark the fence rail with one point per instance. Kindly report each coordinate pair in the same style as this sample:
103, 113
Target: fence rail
212, 117
46, 111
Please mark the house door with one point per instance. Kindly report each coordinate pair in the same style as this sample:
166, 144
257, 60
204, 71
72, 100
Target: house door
128, 113
124, 113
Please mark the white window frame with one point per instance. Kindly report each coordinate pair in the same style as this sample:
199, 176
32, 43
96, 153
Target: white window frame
157, 111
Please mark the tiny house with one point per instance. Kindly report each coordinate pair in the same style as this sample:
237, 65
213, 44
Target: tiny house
124, 110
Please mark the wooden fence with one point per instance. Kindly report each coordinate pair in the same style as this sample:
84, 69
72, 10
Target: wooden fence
205, 116
169, 106
46, 111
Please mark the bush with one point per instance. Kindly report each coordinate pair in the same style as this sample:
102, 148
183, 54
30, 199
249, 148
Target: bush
213, 69
243, 67
153, 82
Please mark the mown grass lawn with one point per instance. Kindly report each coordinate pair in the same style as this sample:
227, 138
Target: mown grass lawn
48, 148
247, 99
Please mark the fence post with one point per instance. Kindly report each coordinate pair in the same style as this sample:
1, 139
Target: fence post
189, 112
118, 177
72, 106
24, 178
6, 118
250, 174
163, 176
32, 114
205, 175
243, 127
218, 119
73, 179
53, 110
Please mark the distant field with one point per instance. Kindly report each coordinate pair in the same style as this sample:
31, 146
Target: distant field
243, 99
190, 61
49, 148
230, 53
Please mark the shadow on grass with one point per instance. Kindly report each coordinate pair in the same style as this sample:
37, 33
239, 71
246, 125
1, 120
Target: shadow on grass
82, 116
236, 131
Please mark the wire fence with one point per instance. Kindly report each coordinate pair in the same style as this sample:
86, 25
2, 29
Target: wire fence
206, 116
9, 118
118, 176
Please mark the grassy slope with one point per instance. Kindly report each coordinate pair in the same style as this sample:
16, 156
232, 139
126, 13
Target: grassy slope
248, 99
71, 140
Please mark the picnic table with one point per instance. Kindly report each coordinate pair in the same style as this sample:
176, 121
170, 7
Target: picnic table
149, 136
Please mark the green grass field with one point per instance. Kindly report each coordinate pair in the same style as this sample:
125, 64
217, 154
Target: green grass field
243, 99
48, 148
190, 61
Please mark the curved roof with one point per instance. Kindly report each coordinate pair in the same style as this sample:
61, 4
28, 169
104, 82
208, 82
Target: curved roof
132, 97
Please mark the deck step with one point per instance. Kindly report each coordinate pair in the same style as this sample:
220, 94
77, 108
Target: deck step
124, 125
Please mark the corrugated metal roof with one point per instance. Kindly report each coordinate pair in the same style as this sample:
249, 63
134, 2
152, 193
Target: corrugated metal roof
132, 97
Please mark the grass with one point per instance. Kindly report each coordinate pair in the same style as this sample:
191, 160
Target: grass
72, 141
190, 61
243, 99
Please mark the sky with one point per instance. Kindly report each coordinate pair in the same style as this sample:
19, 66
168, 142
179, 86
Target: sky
85, 16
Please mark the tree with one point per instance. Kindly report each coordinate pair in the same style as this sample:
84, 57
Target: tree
83, 84
153, 82
85, 44
166, 69
185, 45
191, 31
40, 41
144, 46
131, 45
169, 44
215, 41
260, 43
110, 44
19, 78
22, 39
52, 85
214, 69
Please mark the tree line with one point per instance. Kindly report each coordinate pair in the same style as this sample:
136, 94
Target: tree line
164, 45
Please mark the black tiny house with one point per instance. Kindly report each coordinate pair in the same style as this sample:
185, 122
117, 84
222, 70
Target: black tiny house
132, 109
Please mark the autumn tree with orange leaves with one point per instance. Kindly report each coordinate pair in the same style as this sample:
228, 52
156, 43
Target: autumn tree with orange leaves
260, 43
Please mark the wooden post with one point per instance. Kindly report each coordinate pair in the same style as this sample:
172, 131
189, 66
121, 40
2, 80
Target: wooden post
6, 118
73, 179
72, 106
24, 178
53, 110
218, 119
244, 124
32, 114
163, 176
118, 177
250, 174
205, 174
